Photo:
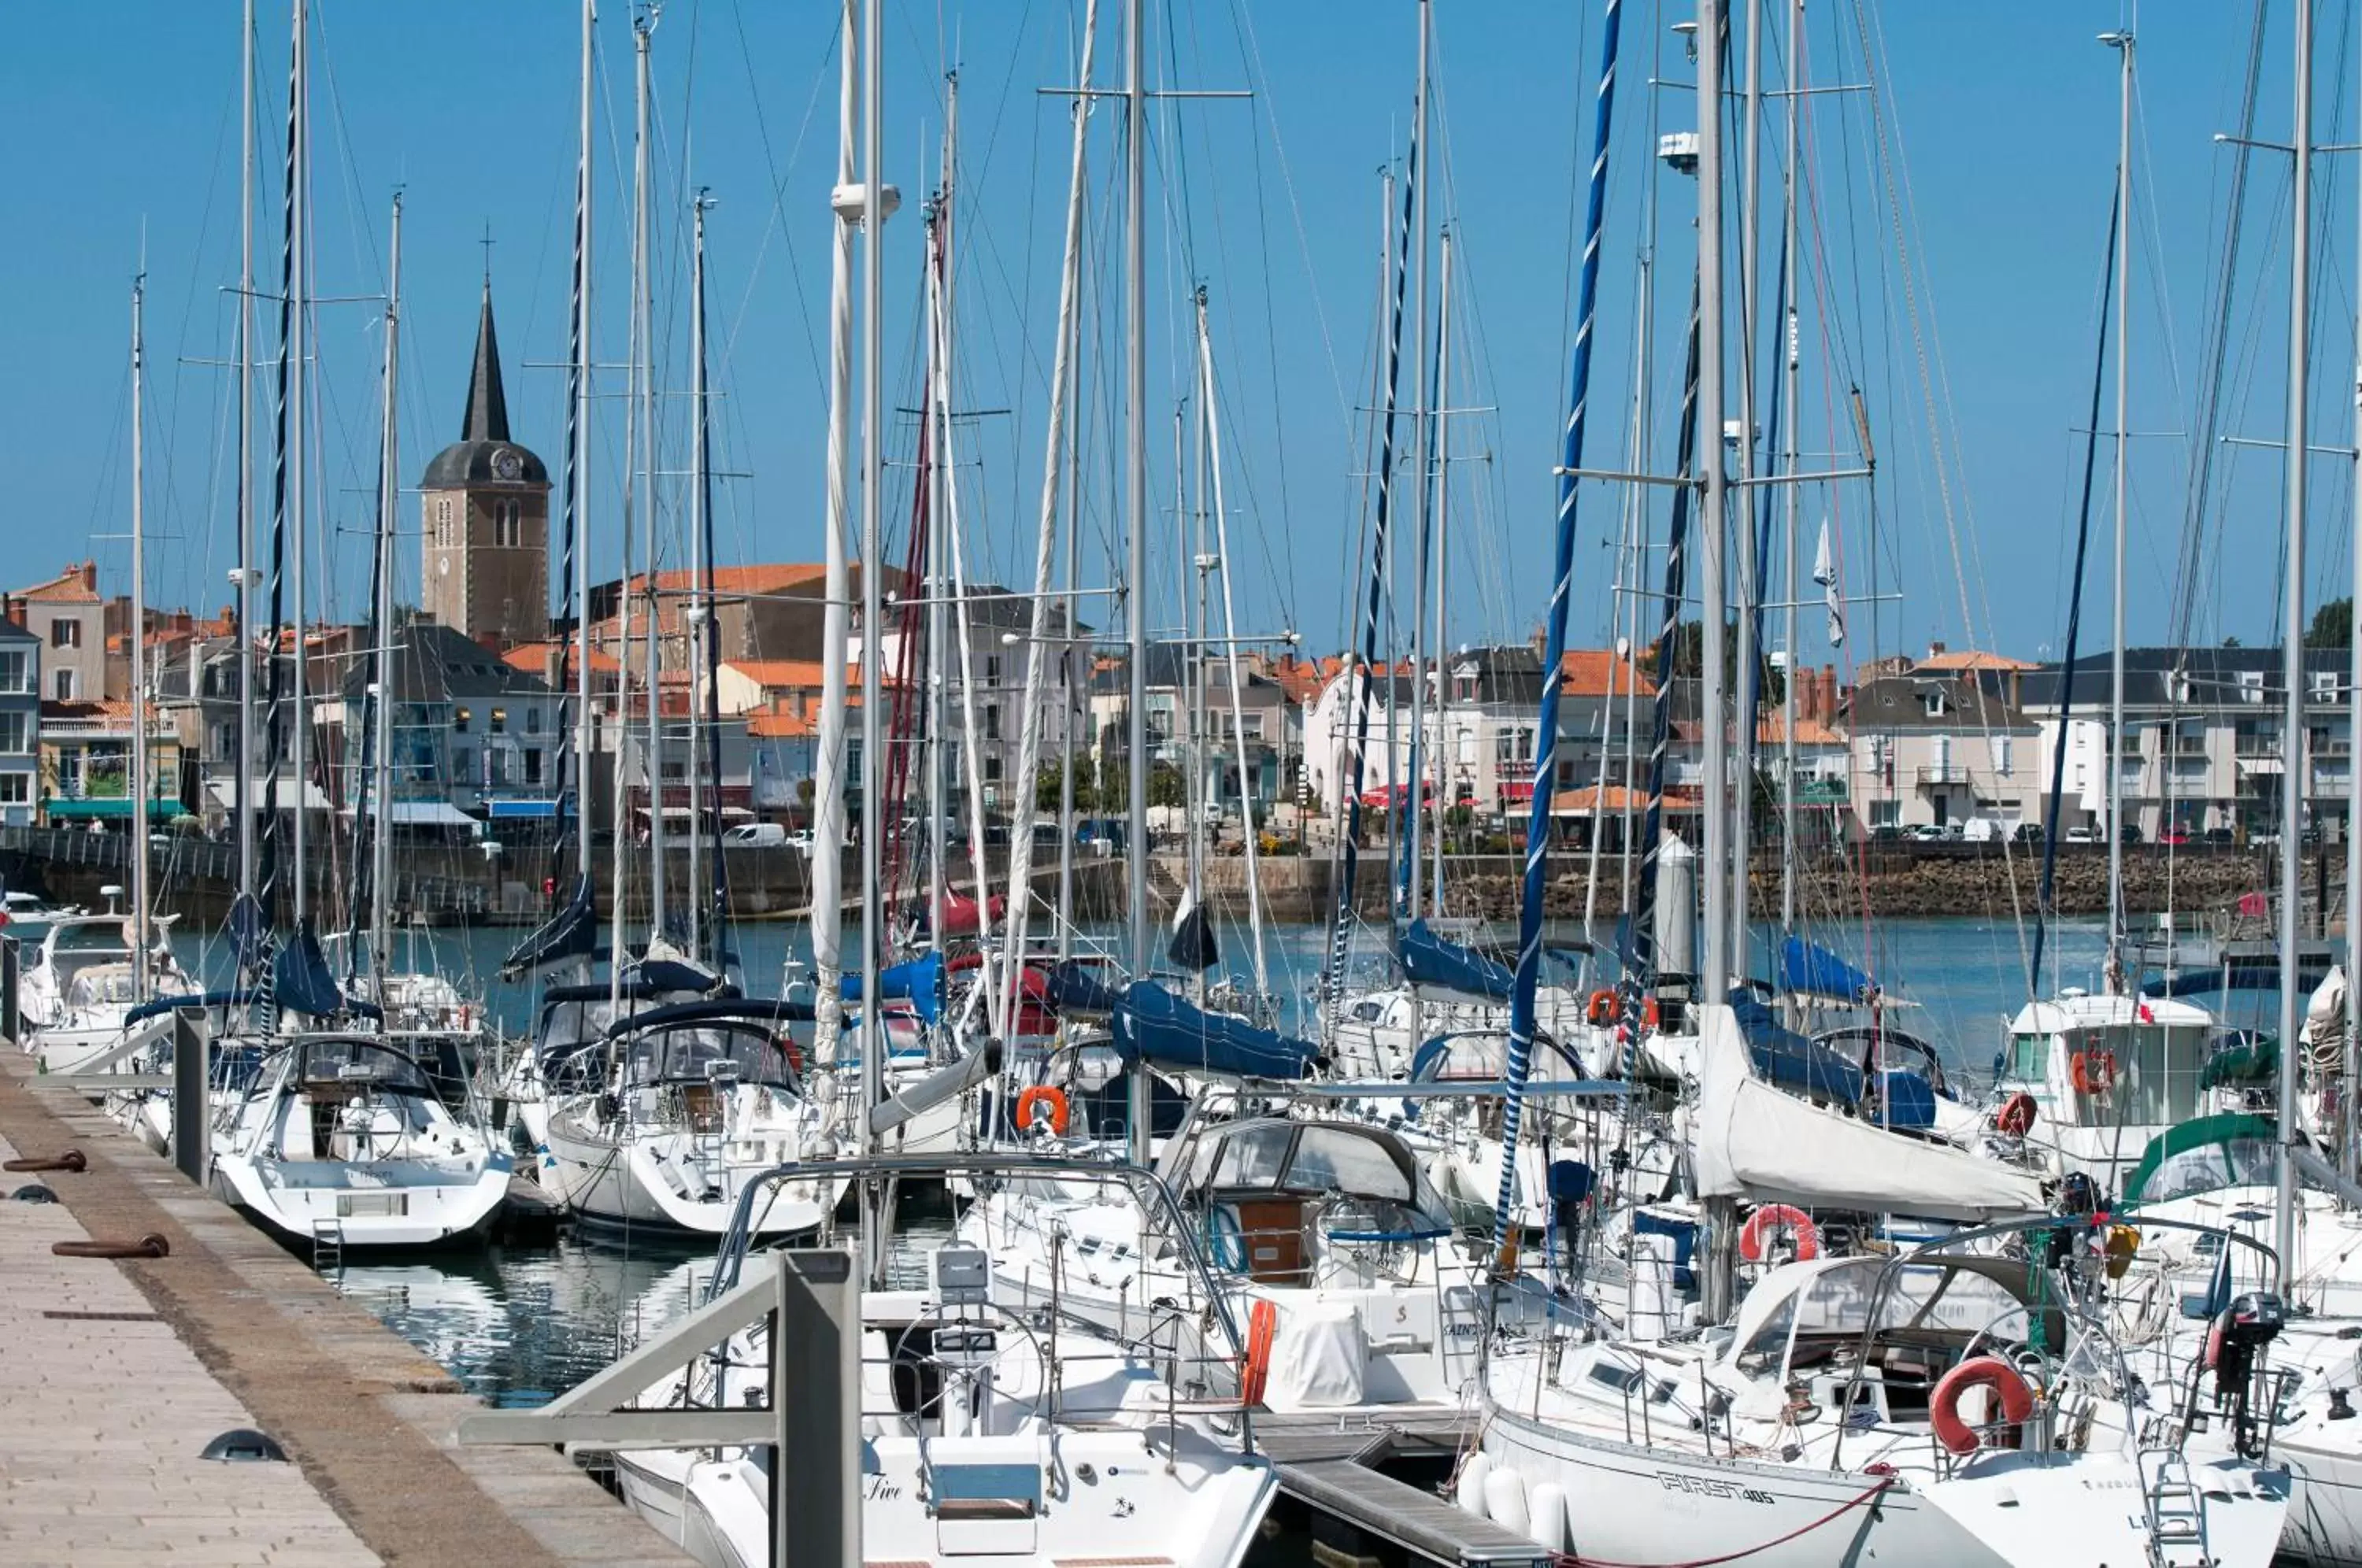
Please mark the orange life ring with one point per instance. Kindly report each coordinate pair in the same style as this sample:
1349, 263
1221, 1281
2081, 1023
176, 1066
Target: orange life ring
1043, 1094
2093, 1072
1604, 1007
1985, 1372
1254, 1372
1755, 1236
2015, 1117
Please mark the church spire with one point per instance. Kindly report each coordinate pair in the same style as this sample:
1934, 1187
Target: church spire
488, 406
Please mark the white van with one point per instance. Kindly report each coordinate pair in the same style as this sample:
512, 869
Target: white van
758, 835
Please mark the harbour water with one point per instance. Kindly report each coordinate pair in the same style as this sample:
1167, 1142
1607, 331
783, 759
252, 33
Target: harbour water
519, 1325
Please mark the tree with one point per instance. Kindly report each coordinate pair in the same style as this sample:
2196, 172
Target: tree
1048, 789
1165, 786
1689, 663
2333, 625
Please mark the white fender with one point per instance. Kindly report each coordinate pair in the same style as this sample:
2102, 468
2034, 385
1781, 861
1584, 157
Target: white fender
1470, 1491
1505, 1500
1547, 1529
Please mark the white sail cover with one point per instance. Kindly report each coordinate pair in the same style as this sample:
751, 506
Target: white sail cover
1750, 1141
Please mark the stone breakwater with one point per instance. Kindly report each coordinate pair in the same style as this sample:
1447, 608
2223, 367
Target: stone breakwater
1979, 880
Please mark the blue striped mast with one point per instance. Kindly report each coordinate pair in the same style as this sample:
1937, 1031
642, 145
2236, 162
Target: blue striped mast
1529, 912
1341, 929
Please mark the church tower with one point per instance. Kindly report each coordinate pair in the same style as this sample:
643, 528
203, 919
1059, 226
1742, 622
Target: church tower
485, 516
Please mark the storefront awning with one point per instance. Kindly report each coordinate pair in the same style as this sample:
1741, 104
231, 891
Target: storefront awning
425, 813
502, 810
224, 792
162, 809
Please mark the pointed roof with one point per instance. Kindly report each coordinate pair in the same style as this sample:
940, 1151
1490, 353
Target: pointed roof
487, 405
485, 455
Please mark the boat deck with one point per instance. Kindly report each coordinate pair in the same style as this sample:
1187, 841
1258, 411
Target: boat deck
1328, 1464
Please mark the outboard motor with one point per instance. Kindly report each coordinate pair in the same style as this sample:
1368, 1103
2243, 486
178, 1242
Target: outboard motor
2233, 1345
2079, 1195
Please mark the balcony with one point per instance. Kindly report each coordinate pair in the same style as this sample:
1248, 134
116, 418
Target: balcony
1941, 773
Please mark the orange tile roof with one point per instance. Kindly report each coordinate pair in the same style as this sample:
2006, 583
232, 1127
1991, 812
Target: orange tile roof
1969, 658
533, 660
1599, 672
778, 721
1809, 731
70, 586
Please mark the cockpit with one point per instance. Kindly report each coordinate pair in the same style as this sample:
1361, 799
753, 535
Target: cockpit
1276, 1194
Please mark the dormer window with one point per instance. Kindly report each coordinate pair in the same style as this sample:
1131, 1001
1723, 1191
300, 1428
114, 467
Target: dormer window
1934, 705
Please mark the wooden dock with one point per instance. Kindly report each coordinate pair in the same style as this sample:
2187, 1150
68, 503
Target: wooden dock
1330, 1467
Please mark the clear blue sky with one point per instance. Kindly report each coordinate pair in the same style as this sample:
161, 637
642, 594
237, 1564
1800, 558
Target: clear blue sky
125, 119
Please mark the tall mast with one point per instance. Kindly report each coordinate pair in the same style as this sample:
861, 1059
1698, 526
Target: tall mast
2349, 1155
1414, 808
1209, 421
579, 537
935, 478
1445, 753
388, 500
700, 619
245, 639
873, 609
1135, 502
643, 28
1788, 349
299, 224
1715, 972
2299, 366
2122, 43
828, 766
1747, 667
138, 641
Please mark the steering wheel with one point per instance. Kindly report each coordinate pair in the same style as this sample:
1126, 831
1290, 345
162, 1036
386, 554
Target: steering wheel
967, 1374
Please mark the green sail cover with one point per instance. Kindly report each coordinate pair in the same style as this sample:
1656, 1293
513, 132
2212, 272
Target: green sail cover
2233, 1149
2255, 1061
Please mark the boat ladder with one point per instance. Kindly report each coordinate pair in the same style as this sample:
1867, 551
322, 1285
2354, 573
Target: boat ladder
2177, 1514
328, 1247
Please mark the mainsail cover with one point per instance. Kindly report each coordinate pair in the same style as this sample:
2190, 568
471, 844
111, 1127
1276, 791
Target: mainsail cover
571, 933
1810, 969
919, 982
302, 981
1750, 1141
1440, 965
1153, 1025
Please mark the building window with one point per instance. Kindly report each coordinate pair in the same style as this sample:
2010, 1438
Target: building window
443, 522
992, 669
1512, 747
459, 720
992, 720
533, 765
463, 765
15, 671
15, 734
62, 685
65, 632
992, 771
1884, 814
500, 722
507, 530
532, 721
16, 788
496, 766
2001, 754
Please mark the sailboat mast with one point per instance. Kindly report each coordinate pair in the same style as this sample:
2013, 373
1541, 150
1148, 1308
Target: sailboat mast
1788, 470
2300, 367
1414, 806
828, 764
579, 538
643, 28
382, 711
1135, 493
245, 639
700, 618
138, 629
873, 612
1713, 520
299, 224
2123, 43
1445, 753
2349, 1155
1747, 667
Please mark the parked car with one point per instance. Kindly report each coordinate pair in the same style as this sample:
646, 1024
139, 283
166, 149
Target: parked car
759, 835
2083, 835
1104, 833
2028, 833
2220, 835
2175, 837
1887, 833
1937, 833
2132, 833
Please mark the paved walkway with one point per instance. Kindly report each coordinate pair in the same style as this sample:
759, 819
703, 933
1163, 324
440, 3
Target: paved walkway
103, 1413
102, 1418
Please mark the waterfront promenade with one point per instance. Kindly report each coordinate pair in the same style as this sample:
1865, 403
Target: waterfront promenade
114, 1375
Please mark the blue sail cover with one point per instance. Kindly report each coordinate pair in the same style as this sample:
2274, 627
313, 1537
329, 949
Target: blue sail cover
919, 982
1790, 1060
1810, 969
1153, 1025
157, 1007
1431, 960
1078, 987
249, 932
571, 933
302, 981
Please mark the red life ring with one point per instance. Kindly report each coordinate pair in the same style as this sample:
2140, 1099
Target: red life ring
1254, 1370
1603, 1008
1043, 1094
2015, 1118
1649, 1014
2093, 1072
1755, 1236
1985, 1372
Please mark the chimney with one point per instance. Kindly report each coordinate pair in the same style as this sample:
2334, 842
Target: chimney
1538, 641
553, 663
90, 576
1935, 650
